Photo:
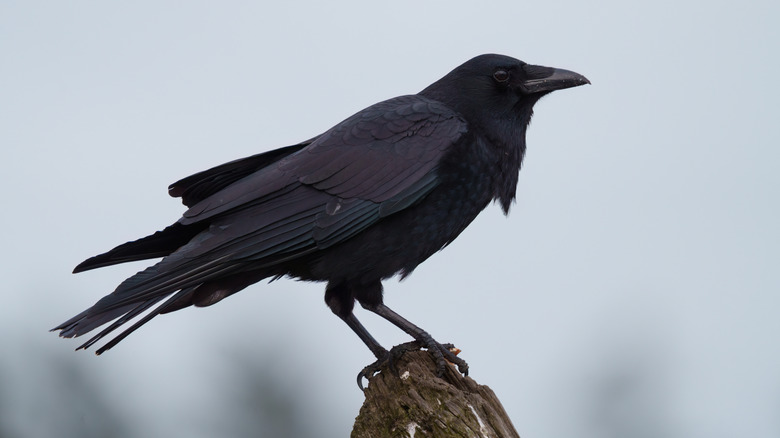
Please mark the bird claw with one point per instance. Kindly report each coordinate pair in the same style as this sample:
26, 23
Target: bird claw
388, 359
442, 354
445, 353
450, 353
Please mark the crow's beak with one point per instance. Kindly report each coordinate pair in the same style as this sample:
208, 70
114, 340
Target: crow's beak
546, 79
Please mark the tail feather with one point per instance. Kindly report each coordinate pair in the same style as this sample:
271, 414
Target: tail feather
140, 308
123, 300
125, 333
174, 277
89, 320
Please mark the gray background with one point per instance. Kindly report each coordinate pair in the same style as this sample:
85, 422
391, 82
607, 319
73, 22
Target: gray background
632, 292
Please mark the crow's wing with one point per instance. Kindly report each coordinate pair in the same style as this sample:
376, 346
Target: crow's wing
373, 155
201, 185
192, 190
379, 161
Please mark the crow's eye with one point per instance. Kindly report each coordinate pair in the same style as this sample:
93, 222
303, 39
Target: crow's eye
501, 75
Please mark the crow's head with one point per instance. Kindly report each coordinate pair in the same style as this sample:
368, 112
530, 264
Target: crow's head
498, 86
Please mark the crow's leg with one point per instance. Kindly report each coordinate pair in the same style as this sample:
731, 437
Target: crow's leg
383, 356
364, 335
339, 297
441, 353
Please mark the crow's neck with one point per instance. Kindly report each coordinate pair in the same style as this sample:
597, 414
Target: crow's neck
503, 129
506, 136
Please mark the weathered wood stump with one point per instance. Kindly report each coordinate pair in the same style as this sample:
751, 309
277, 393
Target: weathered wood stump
416, 403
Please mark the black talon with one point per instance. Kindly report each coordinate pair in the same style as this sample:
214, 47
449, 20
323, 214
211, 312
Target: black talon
441, 353
372, 369
451, 356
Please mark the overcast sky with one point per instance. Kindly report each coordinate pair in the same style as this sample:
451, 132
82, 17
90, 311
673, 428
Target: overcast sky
633, 290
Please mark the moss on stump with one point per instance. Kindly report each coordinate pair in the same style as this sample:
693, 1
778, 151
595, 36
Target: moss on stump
416, 403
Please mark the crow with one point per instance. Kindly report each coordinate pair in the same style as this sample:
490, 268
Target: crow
371, 198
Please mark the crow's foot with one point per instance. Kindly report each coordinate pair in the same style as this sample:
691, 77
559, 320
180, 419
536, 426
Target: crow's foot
442, 353
388, 359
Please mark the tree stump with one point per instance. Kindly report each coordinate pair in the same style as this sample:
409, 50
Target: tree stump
416, 403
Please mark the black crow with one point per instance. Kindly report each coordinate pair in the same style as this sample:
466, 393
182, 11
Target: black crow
370, 198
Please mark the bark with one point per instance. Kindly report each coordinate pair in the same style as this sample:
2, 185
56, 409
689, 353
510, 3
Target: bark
416, 403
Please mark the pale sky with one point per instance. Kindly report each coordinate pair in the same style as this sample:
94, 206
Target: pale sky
633, 290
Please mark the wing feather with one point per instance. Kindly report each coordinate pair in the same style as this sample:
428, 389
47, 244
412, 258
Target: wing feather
201, 185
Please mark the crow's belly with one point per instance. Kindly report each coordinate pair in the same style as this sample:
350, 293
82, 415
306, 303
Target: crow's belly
397, 244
